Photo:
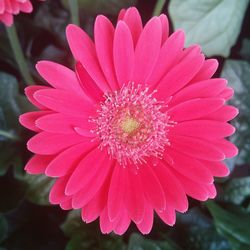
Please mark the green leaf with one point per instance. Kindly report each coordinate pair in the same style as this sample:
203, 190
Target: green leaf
88, 236
138, 242
214, 24
234, 226
196, 231
238, 74
114, 243
8, 103
77, 243
72, 224
245, 49
3, 228
103, 6
38, 188
12, 104
236, 190
10, 156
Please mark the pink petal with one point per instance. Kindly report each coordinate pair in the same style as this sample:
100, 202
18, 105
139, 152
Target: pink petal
227, 147
168, 216
197, 148
92, 210
83, 173
211, 190
88, 215
195, 108
121, 14
46, 143
67, 160
188, 67
7, 19
26, 7
105, 224
165, 27
104, 35
190, 167
123, 223
30, 91
8, 6
133, 19
124, 57
2, 7
59, 77
91, 185
207, 70
83, 50
88, 84
86, 131
64, 102
134, 197
206, 129
61, 123
193, 50
28, 120
15, 7
193, 189
57, 193
38, 163
168, 55
174, 192
224, 114
227, 93
147, 50
146, 224
116, 192
66, 204
218, 169
203, 89
152, 188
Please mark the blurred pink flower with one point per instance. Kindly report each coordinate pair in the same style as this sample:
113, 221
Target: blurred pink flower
8, 8
136, 128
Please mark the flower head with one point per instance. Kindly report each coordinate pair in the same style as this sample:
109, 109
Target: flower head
8, 8
135, 129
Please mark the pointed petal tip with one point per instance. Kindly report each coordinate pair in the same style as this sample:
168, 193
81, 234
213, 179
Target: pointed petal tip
20, 119
237, 111
41, 64
100, 18
27, 169
227, 173
184, 210
214, 62
71, 28
172, 223
180, 32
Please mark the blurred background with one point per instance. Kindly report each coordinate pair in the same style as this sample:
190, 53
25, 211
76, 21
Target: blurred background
28, 222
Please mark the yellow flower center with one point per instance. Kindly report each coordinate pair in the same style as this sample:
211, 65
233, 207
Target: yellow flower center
129, 125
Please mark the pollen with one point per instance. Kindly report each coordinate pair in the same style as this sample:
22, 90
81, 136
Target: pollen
129, 125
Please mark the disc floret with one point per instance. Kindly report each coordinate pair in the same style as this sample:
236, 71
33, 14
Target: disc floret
132, 125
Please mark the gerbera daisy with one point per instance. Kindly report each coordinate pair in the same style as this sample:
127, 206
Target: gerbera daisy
135, 129
8, 8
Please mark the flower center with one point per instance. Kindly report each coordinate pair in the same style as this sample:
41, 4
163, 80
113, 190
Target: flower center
132, 125
129, 125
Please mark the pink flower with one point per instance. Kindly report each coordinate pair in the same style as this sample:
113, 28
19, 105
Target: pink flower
8, 8
135, 129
